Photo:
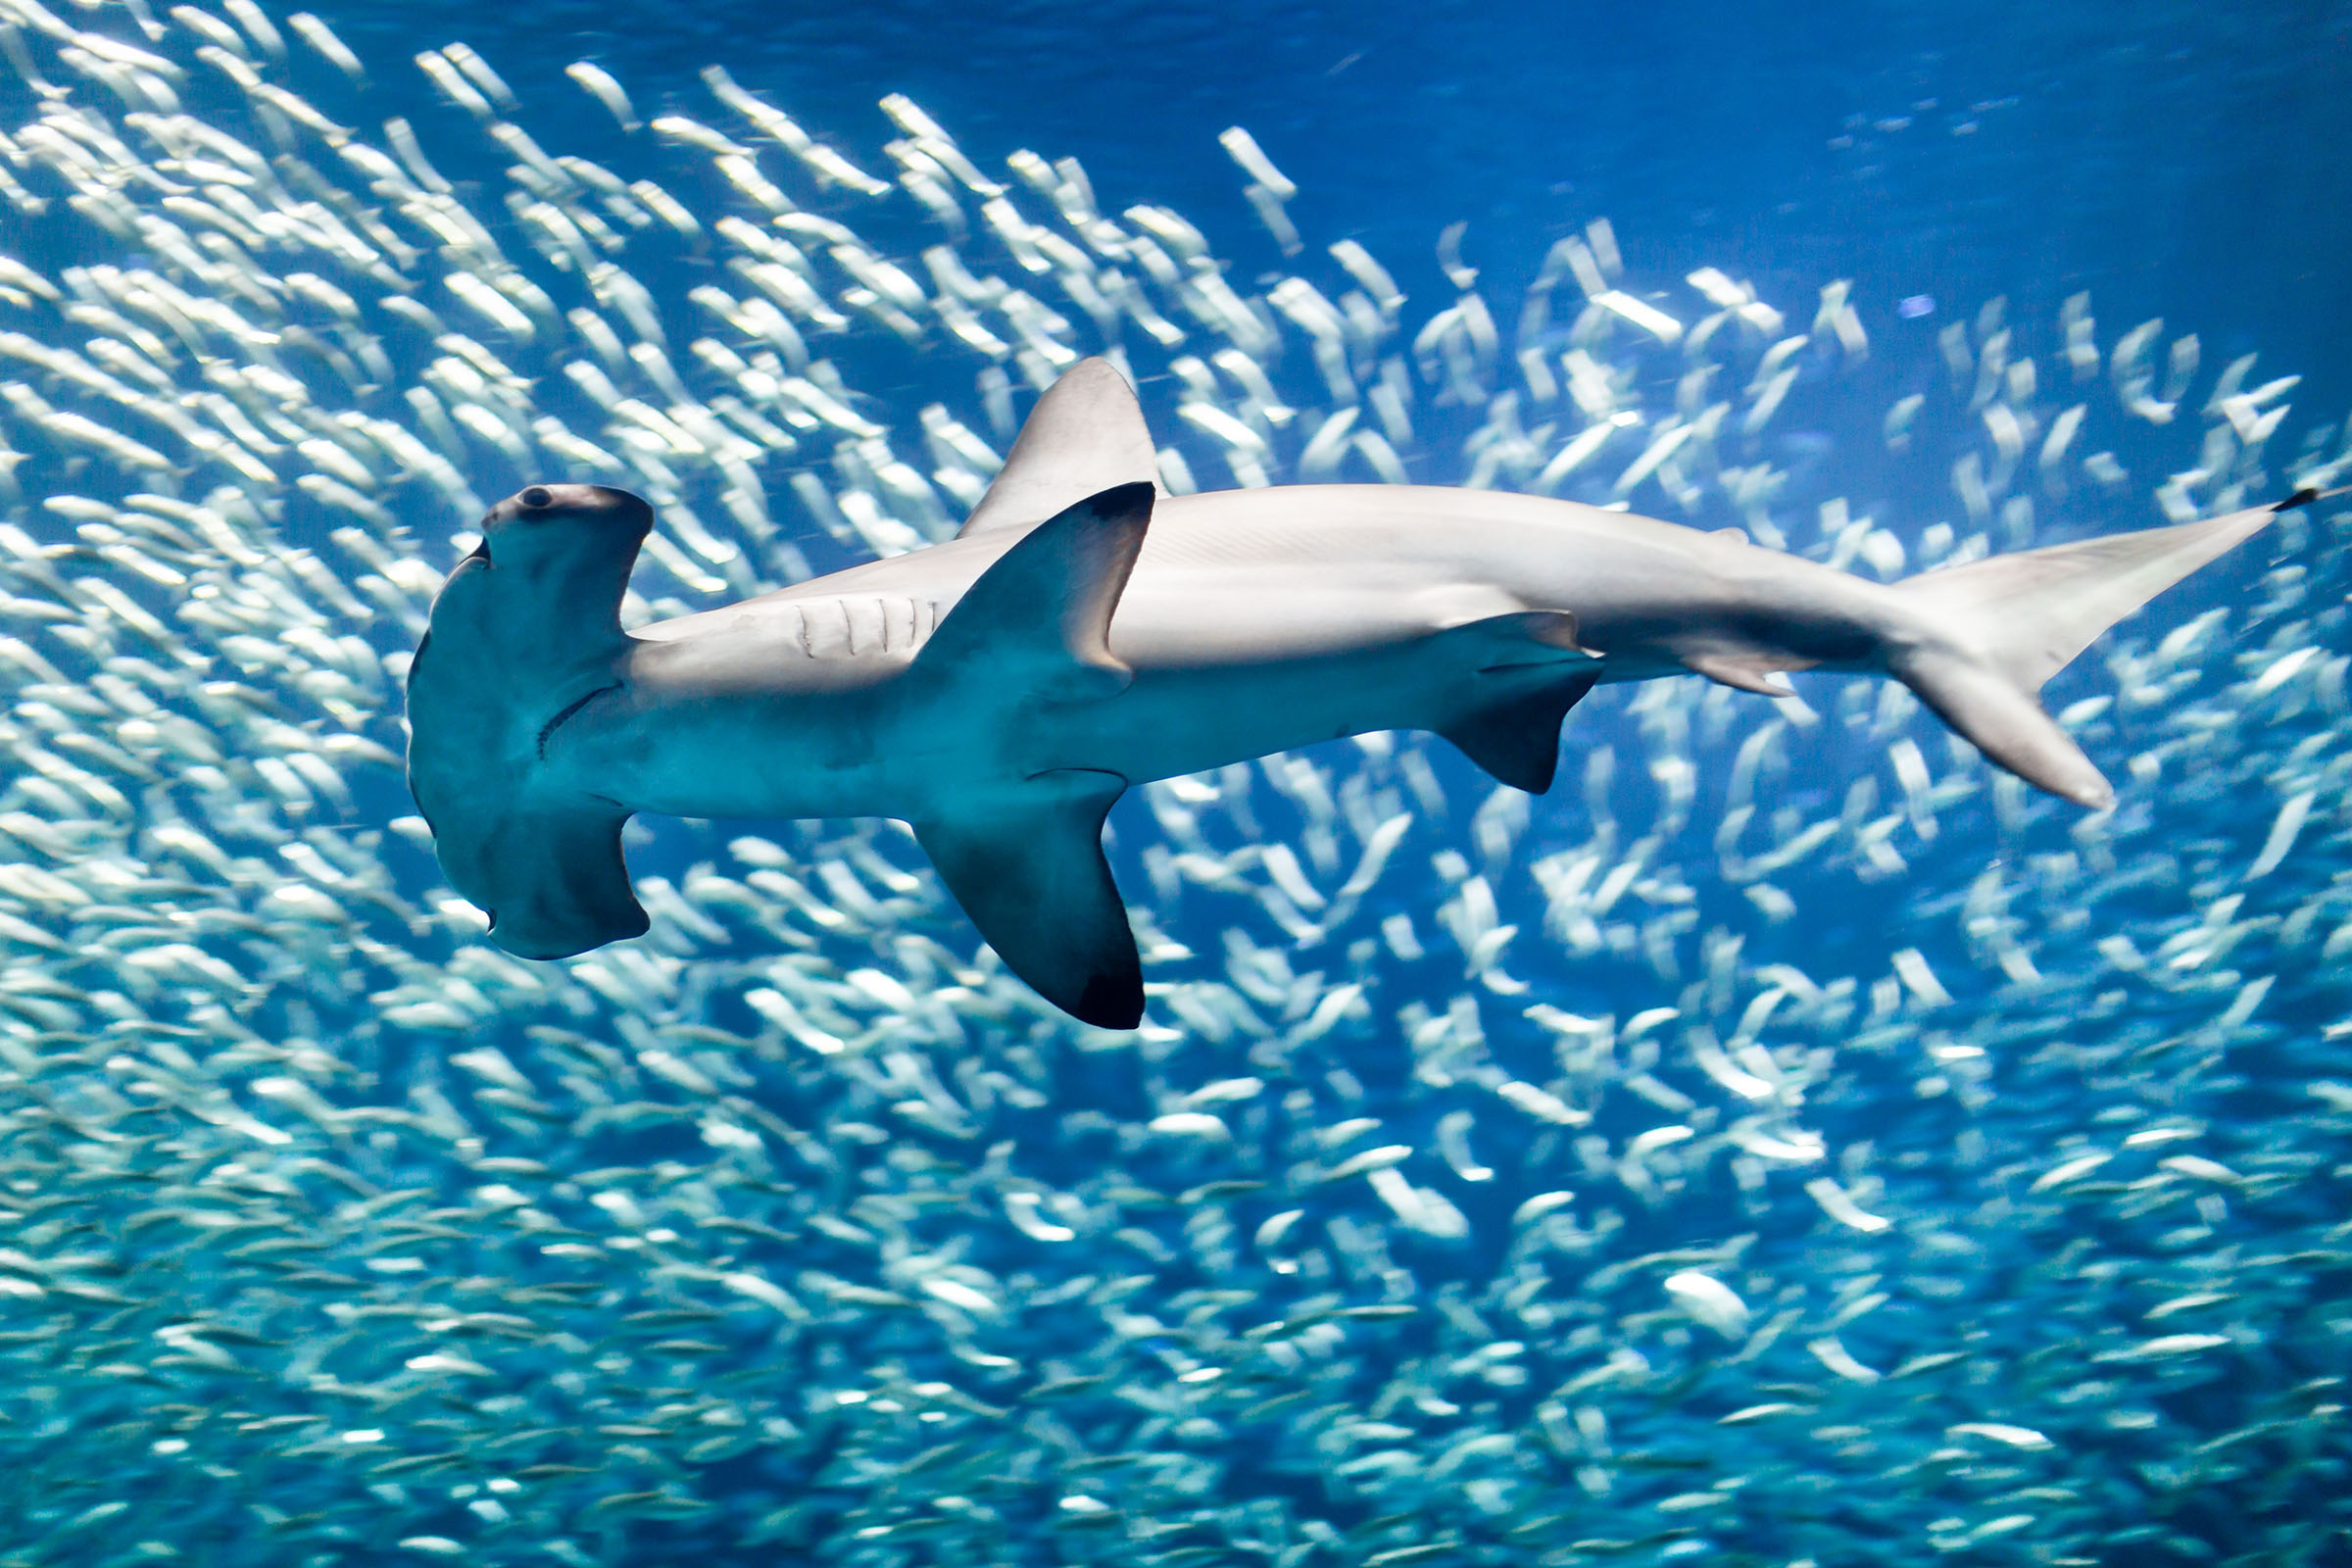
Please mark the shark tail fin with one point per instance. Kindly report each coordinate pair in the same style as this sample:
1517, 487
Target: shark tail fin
1991, 633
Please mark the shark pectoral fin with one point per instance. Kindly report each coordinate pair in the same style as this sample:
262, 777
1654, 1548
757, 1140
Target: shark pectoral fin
1038, 622
553, 882
1028, 868
1530, 671
1748, 672
1085, 435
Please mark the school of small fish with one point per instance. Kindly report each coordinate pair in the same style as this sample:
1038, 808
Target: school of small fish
1702, 1162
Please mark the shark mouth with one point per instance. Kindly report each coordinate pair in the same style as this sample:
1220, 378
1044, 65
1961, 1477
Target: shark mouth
546, 730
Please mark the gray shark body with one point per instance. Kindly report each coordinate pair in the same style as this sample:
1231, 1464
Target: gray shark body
1081, 635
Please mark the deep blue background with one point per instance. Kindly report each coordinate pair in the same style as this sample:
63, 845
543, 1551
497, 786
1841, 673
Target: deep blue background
2183, 160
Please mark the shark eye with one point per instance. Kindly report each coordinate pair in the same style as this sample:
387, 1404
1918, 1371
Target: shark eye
537, 496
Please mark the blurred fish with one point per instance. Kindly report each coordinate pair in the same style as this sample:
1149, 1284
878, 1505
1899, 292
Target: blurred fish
797, 1227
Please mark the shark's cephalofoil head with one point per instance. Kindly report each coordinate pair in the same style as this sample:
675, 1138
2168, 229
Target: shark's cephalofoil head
539, 598
565, 527
526, 631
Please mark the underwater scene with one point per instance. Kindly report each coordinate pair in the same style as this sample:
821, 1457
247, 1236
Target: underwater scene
1787, 1139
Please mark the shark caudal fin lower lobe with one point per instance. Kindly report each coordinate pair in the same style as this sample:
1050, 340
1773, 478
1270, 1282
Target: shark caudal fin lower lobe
1991, 633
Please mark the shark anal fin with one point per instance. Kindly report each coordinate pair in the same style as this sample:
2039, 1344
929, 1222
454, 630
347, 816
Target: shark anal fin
1746, 672
553, 882
1027, 866
1038, 620
1530, 671
1085, 435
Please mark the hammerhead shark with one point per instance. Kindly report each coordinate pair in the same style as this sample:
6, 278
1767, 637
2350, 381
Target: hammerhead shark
1082, 633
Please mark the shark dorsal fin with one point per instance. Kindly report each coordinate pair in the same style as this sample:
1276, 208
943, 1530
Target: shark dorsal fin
1026, 864
1085, 435
1038, 621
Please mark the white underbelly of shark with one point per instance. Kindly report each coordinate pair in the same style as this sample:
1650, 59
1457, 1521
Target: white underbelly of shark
998, 690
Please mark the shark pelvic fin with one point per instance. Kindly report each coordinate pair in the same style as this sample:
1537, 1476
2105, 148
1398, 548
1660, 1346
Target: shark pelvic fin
1528, 679
1039, 621
1027, 866
1517, 741
1085, 435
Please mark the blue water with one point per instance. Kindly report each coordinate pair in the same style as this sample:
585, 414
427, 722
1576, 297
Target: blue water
2181, 161
602, 1262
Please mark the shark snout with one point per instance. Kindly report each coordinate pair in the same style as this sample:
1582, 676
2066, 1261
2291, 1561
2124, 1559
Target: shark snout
557, 503
564, 527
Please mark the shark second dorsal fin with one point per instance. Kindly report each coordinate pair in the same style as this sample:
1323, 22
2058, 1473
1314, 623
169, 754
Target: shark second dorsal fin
1085, 435
1038, 620
1026, 864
